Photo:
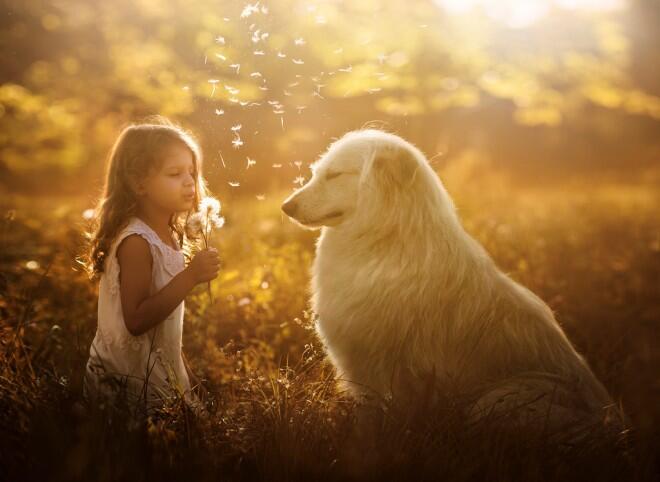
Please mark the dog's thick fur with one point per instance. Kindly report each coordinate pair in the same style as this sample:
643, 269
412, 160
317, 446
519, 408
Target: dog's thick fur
404, 293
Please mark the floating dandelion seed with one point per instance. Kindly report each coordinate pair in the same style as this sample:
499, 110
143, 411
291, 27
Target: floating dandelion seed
222, 159
374, 90
234, 183
221, 57
213, 82
237, 142
231, 90
250, 162
282, 122
346, 69
236, 127
287, 93
243, 103
259, 52
297, 164
294, 84
264, 36
298, 61
263, 88
185, 87
234, 100
236, 66
300, 108
88, 214
277, 166
249, 10
220, 40
261, 197
32, 265
256, 74
299, 41
299, 180
281, 55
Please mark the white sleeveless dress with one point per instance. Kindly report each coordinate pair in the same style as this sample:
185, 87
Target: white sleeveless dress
148, 368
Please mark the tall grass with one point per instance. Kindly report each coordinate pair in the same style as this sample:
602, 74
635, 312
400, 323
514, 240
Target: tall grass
273, 410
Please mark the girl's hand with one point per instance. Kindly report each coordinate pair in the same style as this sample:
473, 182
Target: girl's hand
205, 265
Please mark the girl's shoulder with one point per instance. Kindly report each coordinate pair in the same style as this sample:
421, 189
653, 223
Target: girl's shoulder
136, 226
159, 249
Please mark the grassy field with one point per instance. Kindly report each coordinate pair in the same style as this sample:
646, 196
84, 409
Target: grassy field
590, 249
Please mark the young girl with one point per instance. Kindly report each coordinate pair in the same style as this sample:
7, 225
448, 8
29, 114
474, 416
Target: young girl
153, 184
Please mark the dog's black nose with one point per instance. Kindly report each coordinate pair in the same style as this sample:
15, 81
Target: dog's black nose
289, 207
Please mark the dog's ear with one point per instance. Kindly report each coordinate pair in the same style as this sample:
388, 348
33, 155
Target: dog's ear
394, 167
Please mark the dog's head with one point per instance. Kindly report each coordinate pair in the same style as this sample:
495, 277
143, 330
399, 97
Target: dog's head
364, 171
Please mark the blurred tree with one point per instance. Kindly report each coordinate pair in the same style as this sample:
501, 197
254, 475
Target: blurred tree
296, 73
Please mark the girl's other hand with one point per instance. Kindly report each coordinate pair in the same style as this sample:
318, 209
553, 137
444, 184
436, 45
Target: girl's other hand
205, 265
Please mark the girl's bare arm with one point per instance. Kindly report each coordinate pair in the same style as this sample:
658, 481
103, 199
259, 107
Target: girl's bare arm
141, 311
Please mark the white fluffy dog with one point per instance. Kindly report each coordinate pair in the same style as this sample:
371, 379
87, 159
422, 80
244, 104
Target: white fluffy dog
404, 294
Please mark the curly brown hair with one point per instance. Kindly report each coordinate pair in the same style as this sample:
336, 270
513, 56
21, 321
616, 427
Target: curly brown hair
134, 154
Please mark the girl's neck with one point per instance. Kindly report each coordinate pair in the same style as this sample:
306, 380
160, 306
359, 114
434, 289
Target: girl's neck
157, 220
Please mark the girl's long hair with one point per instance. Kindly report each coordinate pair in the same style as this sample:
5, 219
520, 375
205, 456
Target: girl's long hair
136, 151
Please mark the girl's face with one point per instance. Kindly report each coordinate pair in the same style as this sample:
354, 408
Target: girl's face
172, 187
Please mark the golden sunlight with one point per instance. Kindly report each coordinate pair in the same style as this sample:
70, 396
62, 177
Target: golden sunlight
524, 13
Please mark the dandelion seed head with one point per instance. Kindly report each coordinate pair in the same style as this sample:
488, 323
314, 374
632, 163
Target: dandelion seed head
209, 205
195, 223
217, 221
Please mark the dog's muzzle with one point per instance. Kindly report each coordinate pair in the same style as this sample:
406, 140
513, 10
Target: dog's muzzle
289, 207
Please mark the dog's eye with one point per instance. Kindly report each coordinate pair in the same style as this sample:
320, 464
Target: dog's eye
332, 175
